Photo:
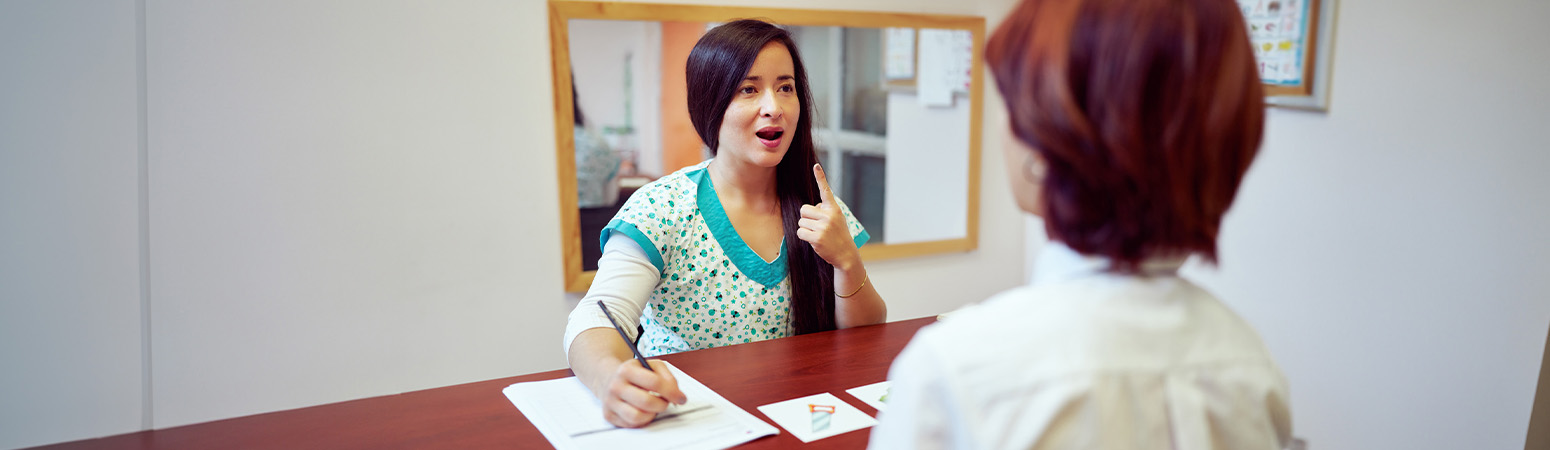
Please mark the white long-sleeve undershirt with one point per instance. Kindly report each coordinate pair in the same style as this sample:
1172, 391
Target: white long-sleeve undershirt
625, 278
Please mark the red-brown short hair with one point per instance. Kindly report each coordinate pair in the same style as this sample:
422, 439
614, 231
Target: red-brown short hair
1147, 113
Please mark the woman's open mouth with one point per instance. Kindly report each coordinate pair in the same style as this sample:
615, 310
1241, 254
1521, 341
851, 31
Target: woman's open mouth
770, 136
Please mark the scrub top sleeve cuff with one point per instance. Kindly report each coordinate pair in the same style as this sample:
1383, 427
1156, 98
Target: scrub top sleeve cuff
857, 232
627, 229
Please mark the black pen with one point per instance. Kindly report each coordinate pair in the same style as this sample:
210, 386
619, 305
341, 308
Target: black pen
626, 337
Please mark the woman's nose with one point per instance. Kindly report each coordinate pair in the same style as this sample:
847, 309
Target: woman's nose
770, 107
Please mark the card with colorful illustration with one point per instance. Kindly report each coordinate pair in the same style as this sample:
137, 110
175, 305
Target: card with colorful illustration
875, 395
816, 417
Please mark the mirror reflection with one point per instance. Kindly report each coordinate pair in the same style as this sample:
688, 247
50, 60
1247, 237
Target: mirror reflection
898, 161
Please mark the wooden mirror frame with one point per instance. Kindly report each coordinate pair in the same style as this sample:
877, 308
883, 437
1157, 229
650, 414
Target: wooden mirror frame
561, 12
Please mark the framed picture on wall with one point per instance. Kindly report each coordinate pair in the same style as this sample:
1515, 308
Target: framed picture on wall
1292, 42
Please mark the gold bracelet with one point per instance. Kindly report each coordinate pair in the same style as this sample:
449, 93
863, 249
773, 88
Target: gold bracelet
858, 288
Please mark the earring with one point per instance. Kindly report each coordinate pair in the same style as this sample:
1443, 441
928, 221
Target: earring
1034, 171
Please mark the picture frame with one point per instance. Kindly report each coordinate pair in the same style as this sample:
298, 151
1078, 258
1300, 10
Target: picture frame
1293, 47
961, 190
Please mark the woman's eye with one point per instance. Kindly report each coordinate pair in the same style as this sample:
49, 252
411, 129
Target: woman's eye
747, 90
788, 88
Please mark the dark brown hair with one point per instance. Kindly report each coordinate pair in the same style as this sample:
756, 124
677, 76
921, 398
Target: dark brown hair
716, 67
1147, 113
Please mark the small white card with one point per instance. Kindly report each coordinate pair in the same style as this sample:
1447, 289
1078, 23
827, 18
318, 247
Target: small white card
875, 395
798, 417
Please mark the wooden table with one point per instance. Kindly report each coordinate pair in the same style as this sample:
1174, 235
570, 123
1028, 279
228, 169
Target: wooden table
478, 415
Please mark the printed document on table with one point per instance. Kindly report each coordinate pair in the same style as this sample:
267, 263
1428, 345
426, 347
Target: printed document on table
571, 418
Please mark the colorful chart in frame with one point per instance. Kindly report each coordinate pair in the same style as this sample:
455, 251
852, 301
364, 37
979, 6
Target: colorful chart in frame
1280, 33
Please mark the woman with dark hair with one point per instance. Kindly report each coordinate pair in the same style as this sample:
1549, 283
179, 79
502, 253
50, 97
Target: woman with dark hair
747, 246
1133, 122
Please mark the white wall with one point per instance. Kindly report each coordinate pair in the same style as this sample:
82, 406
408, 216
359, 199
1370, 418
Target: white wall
348, 199
345, 199
1393, 252
70, 322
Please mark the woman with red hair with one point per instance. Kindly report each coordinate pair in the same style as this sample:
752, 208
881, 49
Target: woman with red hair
1133, 123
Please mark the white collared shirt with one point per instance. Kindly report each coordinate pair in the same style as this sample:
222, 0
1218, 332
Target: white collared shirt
1083, 358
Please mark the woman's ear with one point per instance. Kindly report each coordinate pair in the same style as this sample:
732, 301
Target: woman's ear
1026, 169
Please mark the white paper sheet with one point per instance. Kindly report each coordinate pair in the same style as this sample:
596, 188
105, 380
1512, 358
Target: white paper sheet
795, 416
900, 61
875, 394
570, 417
946, 60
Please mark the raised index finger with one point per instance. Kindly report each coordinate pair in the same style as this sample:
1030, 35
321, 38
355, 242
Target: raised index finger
824, 192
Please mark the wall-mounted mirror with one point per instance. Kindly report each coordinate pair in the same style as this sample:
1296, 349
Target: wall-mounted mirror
897, 102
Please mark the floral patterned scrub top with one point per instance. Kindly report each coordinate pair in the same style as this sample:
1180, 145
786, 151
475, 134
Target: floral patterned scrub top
714, 289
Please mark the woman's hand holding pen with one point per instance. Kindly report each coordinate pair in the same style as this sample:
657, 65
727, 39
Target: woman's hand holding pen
631, 395
635, 395
824, 226
634, 392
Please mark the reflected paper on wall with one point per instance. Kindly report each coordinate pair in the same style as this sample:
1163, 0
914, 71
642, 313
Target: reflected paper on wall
1278, 32
946, 60
900, 54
